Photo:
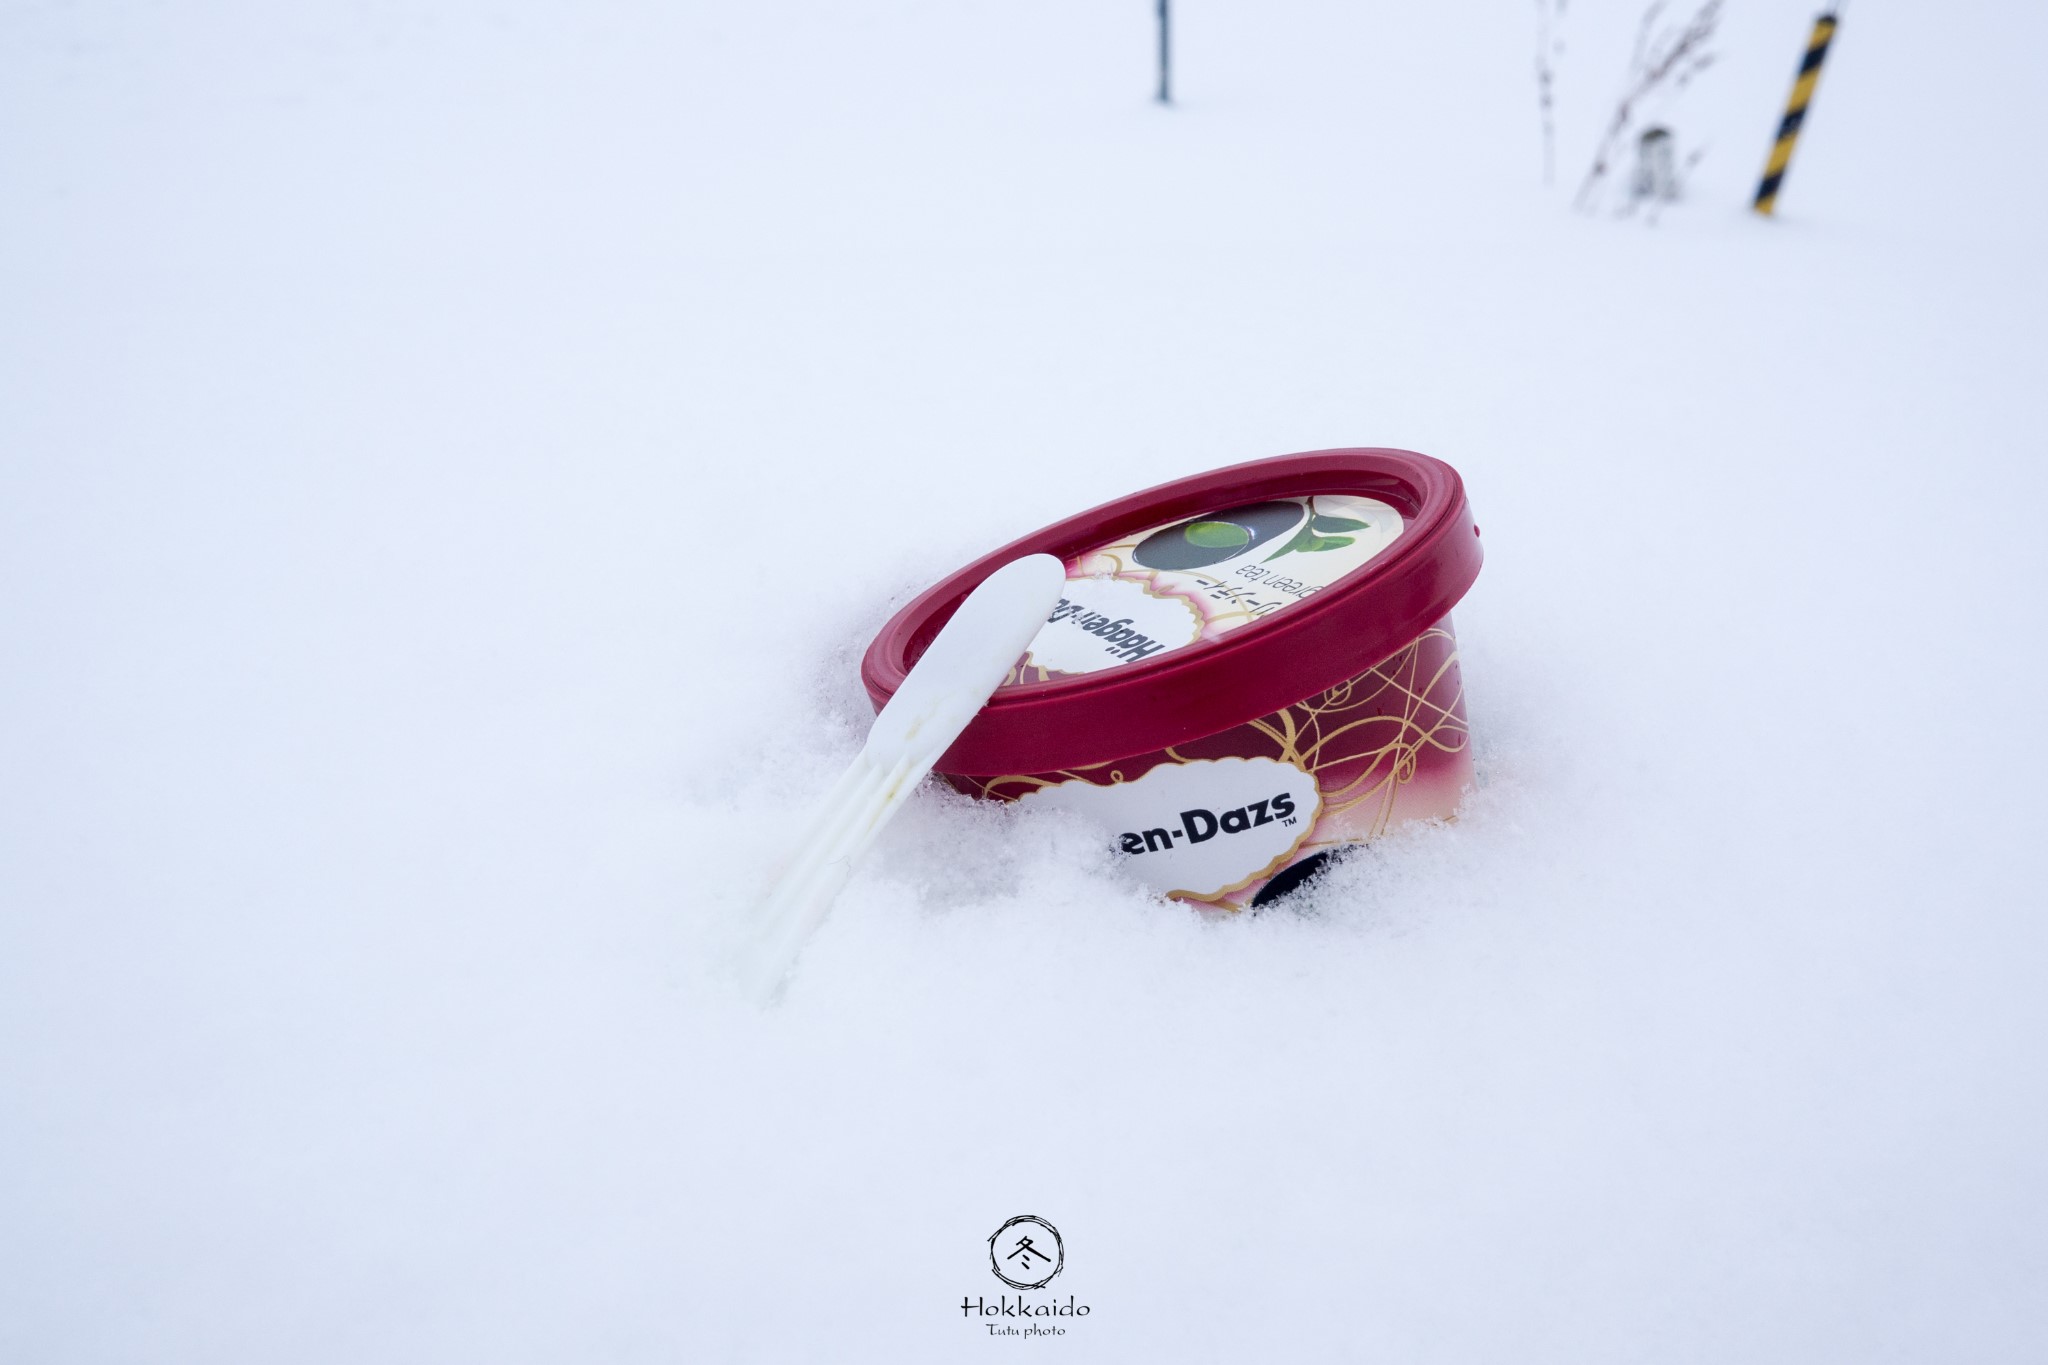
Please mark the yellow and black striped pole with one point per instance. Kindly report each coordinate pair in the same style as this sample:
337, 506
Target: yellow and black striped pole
1795, 113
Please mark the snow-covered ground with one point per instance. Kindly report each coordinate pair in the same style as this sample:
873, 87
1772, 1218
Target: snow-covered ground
451, 457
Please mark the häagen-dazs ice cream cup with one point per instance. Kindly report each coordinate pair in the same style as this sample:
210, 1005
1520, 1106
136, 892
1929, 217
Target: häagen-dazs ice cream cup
1251, 669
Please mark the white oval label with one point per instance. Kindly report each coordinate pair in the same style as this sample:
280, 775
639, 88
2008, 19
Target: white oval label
1199, 828
1102, 622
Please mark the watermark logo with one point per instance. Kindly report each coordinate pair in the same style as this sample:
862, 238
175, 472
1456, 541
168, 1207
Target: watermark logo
1026, 1252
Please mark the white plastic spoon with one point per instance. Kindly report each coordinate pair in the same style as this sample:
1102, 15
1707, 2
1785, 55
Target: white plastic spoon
943, 692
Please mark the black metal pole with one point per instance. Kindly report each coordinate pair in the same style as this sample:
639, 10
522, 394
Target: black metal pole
1165, 52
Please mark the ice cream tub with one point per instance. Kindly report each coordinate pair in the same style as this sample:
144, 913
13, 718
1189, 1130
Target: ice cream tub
1250, 670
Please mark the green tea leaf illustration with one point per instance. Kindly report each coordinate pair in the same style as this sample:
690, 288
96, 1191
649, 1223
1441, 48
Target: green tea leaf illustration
1302, 539
1327, 524
1307, 541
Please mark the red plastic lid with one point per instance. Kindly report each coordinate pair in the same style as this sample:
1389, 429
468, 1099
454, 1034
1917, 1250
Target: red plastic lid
1211, 685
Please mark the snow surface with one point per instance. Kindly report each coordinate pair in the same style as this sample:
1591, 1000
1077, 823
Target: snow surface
451, 457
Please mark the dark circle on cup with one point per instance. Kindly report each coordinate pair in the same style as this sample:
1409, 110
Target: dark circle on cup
1175, 548
1290, 880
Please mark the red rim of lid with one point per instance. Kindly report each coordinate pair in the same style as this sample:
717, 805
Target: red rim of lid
1211, 685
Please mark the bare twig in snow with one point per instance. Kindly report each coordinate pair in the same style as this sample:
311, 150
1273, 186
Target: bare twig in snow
1673, 53
1549, 47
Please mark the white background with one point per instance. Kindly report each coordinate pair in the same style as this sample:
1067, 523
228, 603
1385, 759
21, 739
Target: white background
451, 457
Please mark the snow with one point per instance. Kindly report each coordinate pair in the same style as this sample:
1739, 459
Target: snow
450, 461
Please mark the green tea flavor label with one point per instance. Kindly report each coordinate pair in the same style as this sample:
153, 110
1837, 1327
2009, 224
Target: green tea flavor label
1172, 585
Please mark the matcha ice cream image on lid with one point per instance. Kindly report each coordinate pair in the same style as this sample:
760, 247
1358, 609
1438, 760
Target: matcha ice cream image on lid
1248, 670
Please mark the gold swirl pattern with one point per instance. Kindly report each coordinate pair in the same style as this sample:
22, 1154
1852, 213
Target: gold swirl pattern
1388, 745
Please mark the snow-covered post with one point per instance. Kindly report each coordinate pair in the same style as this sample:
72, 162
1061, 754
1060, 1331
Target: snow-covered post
1656, 177
1165, 52
1795, 112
